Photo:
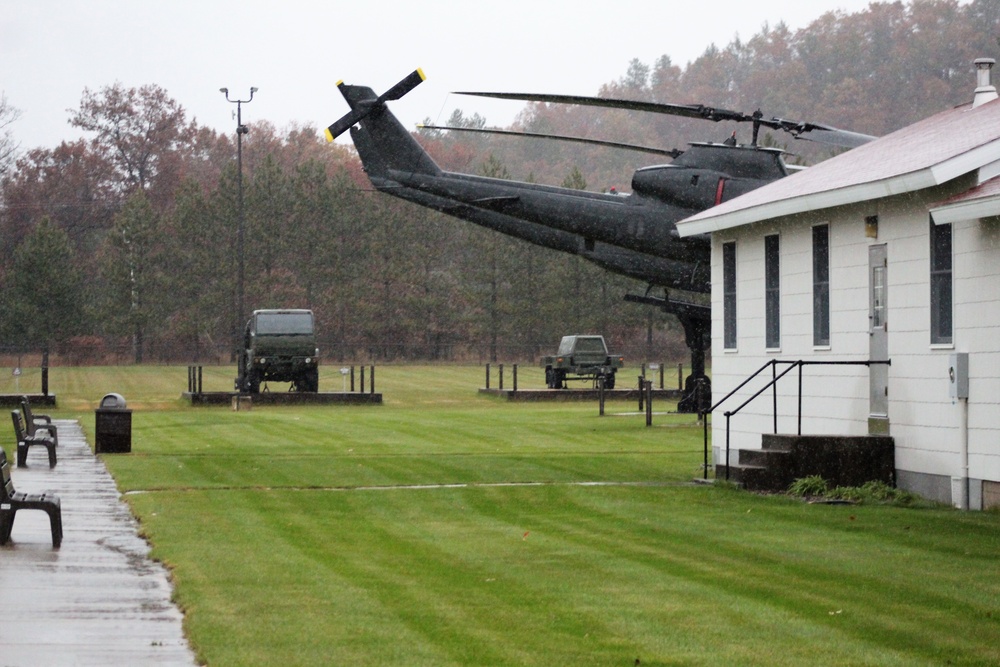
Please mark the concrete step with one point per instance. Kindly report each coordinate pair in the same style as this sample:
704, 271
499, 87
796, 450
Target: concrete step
755, 477
841, 460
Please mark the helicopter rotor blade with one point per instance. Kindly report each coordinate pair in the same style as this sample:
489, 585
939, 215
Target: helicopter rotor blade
345, 122
673, 152
800, 130
824, 134
685, 110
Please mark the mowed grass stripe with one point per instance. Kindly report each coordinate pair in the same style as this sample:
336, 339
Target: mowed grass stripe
803, 584
310, 447
273, 568
160, 473
623, 573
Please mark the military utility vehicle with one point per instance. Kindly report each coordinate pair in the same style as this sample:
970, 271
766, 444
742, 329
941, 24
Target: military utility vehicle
280, 346
583, 357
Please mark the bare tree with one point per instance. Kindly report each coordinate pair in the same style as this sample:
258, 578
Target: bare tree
8, 147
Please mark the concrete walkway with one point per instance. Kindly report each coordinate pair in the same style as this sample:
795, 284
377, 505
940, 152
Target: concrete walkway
96, 600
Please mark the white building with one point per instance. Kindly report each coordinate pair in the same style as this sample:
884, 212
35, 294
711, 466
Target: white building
890, 251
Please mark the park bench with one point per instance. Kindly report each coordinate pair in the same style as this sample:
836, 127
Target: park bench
25, 441
11, 501
35, 422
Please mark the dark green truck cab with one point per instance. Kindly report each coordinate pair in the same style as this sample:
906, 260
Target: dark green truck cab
279, 346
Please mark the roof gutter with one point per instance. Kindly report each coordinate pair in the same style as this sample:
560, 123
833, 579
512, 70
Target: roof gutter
986, 207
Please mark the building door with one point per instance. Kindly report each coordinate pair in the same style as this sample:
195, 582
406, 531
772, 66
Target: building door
878, 332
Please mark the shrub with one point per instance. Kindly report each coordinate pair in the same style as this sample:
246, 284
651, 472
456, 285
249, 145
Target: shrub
854, 494
869, 492
814, 485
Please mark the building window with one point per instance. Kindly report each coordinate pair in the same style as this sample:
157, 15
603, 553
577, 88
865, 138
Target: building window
941, 293
729, 295
772, 294
821, 285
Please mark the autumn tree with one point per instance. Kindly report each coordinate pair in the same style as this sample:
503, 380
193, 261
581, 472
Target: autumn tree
70, 185
139, 131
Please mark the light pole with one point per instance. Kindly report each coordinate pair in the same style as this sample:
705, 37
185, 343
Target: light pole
241, 129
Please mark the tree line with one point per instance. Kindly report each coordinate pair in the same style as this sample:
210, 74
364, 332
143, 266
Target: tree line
122, 245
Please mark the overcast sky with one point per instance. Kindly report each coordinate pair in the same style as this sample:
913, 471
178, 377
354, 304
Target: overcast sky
295, 51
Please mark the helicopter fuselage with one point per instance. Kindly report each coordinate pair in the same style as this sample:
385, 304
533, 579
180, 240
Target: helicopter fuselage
633, 235
641, 225
641, 222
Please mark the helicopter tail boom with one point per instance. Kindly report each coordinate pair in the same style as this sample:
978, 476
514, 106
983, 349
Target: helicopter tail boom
382, 141
365, 107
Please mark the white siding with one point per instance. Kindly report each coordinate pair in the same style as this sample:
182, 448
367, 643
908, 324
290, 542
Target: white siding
924, 420
977, 331
835, 398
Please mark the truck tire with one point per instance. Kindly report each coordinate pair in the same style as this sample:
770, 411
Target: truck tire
253, 382
308, 381
314, 380
554, 377
609, 380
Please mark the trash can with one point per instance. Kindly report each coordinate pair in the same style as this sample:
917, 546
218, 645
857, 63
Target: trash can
113, 426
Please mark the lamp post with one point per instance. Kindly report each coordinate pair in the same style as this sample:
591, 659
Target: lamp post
241, 129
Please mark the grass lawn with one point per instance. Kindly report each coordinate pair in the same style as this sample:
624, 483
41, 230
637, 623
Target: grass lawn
447, 528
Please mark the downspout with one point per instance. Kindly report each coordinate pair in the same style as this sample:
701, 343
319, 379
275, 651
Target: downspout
963, 437
958, 377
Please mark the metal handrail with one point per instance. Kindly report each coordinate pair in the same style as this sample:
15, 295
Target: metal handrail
775, 376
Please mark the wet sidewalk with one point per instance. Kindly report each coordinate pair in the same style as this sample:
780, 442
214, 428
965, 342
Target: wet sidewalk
96, 600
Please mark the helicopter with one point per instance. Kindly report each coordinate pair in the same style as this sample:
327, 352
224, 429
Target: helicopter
633, 235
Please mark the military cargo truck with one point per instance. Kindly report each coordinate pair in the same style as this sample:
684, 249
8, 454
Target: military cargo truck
582, 357
279, 346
